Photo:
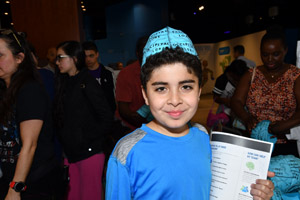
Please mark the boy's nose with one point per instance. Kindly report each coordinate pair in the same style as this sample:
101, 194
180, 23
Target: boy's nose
174, 98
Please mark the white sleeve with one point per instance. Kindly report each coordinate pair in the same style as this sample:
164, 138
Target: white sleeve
295, 133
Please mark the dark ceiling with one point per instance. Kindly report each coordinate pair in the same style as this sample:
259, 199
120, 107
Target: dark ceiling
237, 17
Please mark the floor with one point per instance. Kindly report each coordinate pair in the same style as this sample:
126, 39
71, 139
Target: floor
205, 104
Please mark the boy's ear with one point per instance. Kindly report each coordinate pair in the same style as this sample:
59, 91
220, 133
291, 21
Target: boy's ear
145, 96
200, 90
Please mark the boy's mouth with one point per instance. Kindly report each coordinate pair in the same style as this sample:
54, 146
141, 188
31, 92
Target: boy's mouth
175, 113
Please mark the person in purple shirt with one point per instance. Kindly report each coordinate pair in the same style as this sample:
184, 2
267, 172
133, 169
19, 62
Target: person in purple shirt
101, 74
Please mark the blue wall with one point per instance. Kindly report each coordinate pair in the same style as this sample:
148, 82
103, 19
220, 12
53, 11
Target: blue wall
126, 22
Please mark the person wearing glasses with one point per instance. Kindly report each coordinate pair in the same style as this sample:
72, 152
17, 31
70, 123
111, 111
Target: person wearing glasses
27, 155
82, 117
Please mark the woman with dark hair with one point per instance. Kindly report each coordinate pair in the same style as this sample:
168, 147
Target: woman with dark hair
26, 138
271, 92
83, 117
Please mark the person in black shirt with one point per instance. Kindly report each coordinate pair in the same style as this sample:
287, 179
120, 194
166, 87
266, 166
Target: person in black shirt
225, 86
83, 117
28, 161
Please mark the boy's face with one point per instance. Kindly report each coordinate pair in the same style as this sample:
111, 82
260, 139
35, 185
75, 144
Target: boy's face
173, 95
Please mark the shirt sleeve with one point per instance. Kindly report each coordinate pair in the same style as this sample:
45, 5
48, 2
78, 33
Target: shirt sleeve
117, 181
31, 102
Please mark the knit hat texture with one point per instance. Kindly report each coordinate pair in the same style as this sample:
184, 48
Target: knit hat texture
167, 37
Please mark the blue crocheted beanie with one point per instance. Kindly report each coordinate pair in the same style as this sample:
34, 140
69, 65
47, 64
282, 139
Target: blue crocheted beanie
167, 37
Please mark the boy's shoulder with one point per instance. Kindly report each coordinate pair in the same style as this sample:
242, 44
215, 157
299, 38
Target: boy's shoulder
126, 143
199, 126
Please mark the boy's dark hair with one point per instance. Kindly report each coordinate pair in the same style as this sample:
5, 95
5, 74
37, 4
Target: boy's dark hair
171, 56
239, 48
89, 45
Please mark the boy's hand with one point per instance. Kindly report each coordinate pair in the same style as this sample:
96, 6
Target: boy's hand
263, 189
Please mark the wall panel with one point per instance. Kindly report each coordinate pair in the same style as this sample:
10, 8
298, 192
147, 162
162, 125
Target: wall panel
47, 22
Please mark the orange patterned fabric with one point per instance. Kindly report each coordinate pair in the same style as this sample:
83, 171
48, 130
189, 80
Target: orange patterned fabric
273, 101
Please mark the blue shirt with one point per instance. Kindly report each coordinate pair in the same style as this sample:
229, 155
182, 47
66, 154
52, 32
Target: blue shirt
149, 165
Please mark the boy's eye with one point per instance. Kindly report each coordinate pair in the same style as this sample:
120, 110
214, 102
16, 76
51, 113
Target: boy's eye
187, 87
160, 89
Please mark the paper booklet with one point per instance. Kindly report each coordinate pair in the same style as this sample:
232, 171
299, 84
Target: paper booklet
236, 163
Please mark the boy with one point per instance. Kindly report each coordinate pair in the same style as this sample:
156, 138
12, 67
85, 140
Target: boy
168, 158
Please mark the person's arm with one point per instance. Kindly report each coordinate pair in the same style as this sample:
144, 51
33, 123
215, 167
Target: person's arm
29, 132
282, 127
221, 100
117, 181
263, 189
238, 101
131, 117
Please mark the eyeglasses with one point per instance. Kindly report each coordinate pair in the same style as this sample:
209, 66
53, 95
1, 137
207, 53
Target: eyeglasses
8, 32
59, 57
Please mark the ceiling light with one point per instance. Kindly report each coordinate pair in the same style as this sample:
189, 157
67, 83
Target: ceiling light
12, 24
201, 8
5, 13
82, 6
7, 1
83, 9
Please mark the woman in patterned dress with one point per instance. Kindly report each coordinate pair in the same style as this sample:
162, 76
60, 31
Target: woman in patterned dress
271, 92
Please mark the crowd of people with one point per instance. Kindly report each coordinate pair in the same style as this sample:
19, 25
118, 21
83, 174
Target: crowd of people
55, 127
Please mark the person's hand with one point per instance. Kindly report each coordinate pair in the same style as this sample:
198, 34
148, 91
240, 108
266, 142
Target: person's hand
275, 128
251, 123
13, 195
263, 189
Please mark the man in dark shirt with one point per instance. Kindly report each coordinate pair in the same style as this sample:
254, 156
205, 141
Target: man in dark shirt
97, 70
